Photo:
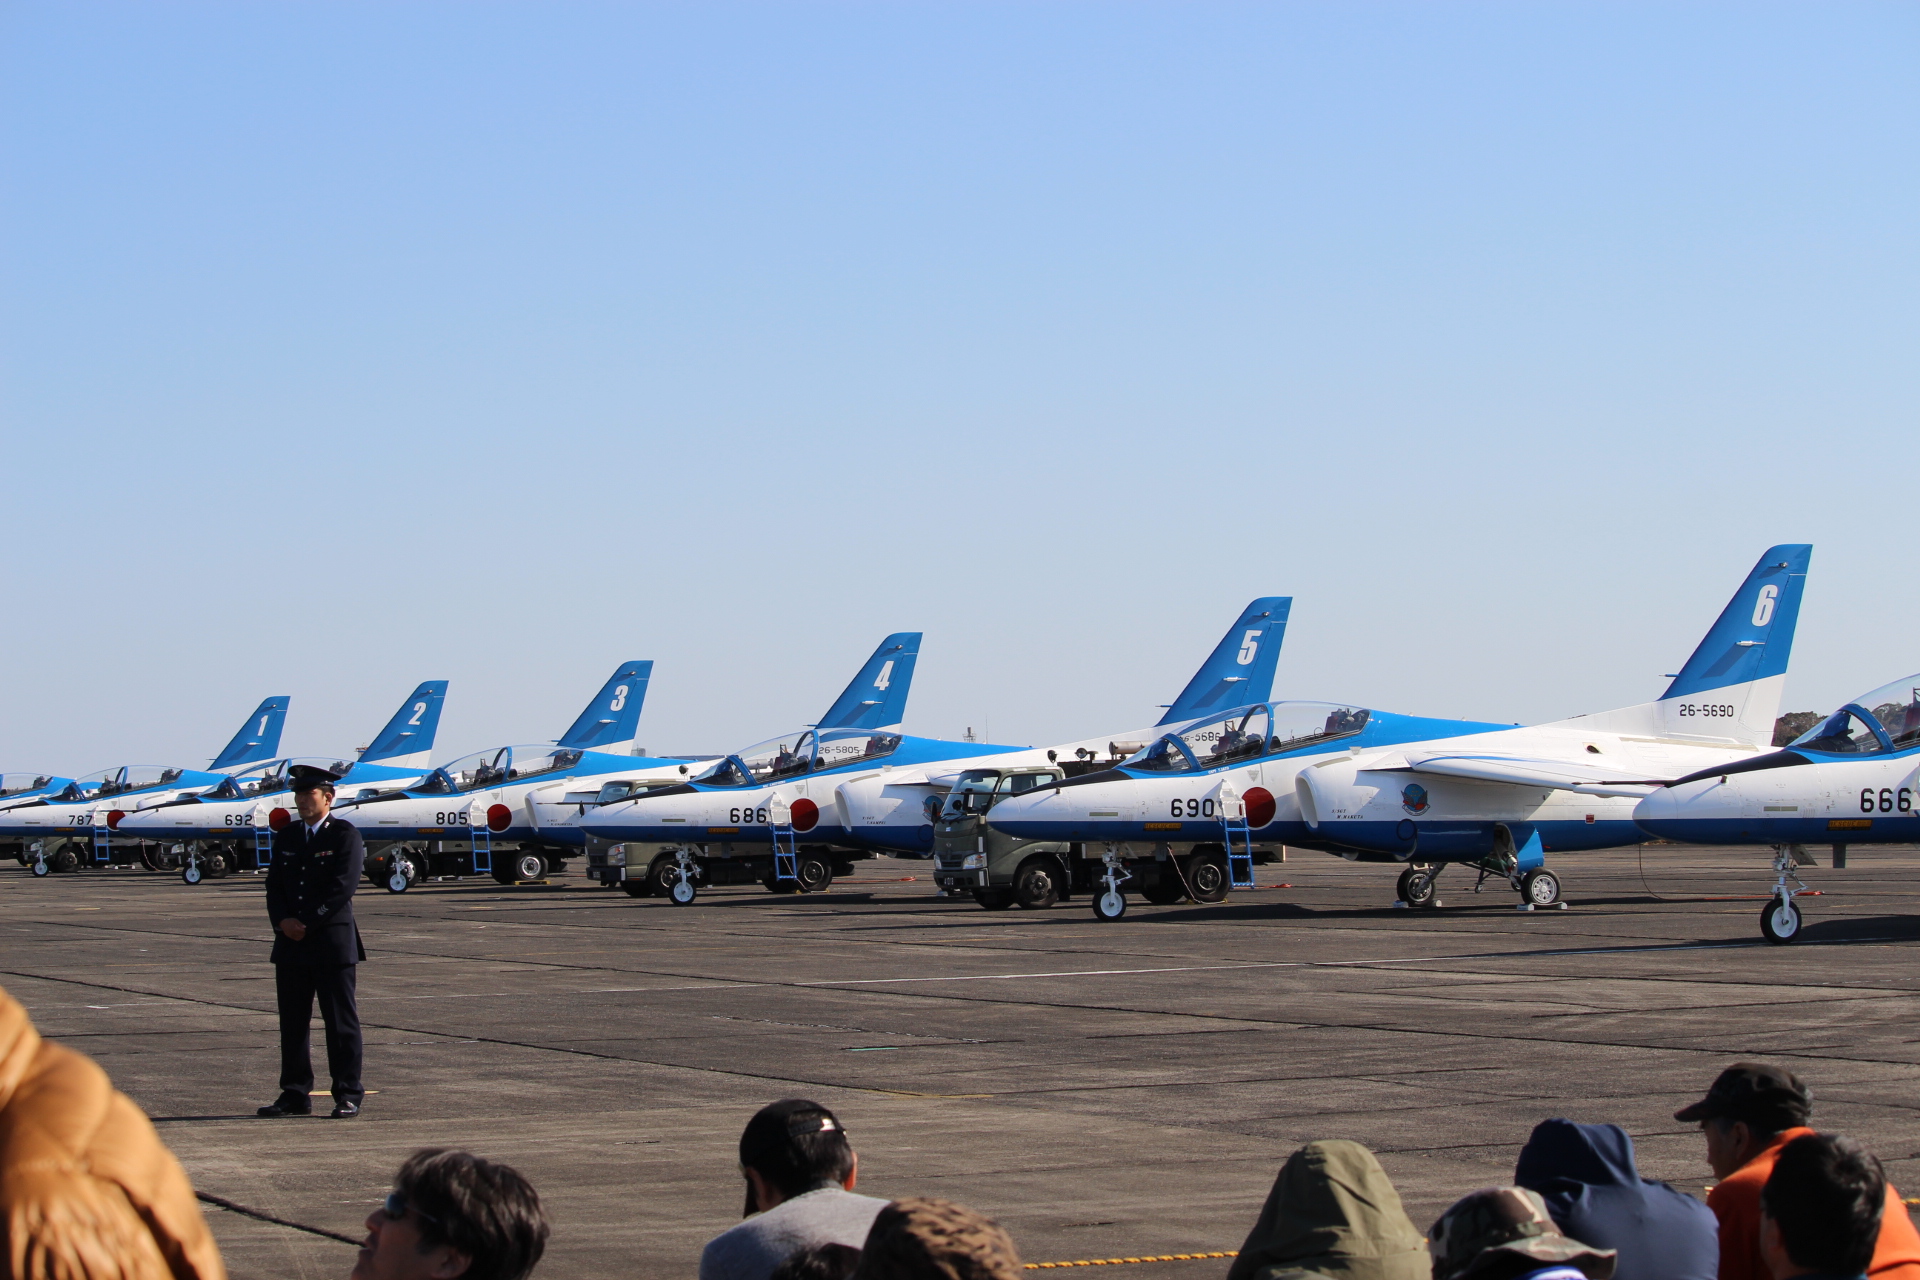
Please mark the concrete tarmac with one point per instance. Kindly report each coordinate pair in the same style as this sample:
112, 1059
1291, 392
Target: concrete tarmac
1104, 1090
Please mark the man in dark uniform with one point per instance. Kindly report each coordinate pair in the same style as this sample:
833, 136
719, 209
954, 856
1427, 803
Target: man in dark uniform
317, 863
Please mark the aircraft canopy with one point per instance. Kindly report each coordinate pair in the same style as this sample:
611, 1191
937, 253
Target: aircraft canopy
797, 754
13, 784
499, 766
1883, 719
1247, 733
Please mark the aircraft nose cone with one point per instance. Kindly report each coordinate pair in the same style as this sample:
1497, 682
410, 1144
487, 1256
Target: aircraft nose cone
1676, 812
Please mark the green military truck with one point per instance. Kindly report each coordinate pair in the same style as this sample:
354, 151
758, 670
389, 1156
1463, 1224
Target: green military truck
1002, 871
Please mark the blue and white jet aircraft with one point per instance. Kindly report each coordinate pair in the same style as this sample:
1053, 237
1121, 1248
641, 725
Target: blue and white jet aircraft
494, 798
73, 827
1373, 786
1851, 779
741, 819
230, 827
894, 809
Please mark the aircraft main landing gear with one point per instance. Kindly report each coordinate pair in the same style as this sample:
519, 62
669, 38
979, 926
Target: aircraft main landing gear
1780, 919
1419, 885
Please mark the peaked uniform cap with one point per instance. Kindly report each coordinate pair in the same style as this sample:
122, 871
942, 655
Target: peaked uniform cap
1492, 1225
1334, 1213
305, 776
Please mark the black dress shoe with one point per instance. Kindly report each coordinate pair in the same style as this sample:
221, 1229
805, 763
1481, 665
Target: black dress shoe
345, 1110
285, 1105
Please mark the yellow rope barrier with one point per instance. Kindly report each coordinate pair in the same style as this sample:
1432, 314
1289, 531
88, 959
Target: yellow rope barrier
1115, 1262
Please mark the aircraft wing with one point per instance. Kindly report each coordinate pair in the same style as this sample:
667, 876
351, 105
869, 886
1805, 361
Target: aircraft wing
1532, 771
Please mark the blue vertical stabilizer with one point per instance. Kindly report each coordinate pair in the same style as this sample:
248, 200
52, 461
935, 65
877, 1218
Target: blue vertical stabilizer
259, 737
1753, 637
408, 737
1240, 669
877, 698
613, 717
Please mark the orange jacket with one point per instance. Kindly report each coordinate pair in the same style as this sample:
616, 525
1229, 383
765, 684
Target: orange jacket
1736, 1202
87, 1190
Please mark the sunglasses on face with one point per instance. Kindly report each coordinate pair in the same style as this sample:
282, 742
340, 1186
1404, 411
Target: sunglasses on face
396, 1208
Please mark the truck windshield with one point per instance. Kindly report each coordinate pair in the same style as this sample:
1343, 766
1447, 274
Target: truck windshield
972, 794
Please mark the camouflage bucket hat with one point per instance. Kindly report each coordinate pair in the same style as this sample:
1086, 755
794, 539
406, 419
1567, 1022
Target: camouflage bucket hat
1487, 1226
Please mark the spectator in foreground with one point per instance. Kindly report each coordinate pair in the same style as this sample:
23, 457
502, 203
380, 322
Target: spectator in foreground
1751, 1112
1820, 1211
800, 1172
1587, 1176
1506, 1233
454, 1216
1332, 1211
921, 1239
87, 1189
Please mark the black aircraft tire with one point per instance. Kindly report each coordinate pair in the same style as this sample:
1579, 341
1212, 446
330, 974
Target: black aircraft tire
1036, 886
815, 873
1417, 888
1540, 888
1207, 878
1780, 921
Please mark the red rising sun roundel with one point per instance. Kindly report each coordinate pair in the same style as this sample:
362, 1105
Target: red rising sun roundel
278, 819
805, 814
113, 818
1259, 806
499, 817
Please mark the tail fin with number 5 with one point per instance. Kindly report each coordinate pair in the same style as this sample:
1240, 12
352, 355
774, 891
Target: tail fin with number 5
1240, 669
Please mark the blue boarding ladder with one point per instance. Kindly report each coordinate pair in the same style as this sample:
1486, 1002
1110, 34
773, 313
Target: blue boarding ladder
786, 849
1238, 837
102, 839
480, 835
262, 846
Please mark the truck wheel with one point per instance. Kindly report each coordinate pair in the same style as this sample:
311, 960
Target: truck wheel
1207, 877
64, 860
994, 899
780, 886
638, 888
815, 873
1165, 891
218, 863
1036, 885
526, 866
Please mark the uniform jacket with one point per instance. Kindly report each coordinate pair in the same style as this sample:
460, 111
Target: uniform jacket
1593, 1189
87, 1190
1736, 1202
312, 880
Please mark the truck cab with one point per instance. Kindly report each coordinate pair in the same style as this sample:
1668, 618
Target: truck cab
1000, 870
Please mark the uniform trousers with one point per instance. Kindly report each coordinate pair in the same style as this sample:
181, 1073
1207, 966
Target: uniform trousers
296, 985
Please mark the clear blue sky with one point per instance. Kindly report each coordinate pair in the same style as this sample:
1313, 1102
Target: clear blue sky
344, 346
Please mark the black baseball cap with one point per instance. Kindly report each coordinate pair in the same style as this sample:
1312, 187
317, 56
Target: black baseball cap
1754, 1092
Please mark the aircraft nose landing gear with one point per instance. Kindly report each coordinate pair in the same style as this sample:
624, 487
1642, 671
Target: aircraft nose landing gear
1780, 918
1108, 902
